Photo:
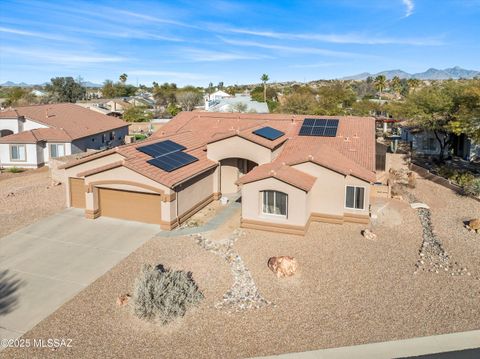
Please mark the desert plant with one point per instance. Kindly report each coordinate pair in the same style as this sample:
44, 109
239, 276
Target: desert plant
15, 170
473, 188
161, 295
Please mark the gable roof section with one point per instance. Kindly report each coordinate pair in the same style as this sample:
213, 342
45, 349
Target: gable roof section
76, 121
37, 135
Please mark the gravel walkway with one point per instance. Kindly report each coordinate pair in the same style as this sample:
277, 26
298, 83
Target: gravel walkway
27, 197
244, 294
347, 291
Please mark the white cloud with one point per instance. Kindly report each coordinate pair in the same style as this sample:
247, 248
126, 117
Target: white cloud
39, 35
170, 74
198, 55
409, 7
292, 49
360, 39
62, 57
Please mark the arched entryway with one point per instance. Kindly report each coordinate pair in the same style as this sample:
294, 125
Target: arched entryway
4, 133
231, 169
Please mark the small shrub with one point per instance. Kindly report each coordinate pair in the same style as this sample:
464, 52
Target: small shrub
162, 295
15, 170
473, 188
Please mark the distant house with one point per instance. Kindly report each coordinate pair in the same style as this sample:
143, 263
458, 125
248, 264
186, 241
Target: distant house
31, 135
234, 103
218, 95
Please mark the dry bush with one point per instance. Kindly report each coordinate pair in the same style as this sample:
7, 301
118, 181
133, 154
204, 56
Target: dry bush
161, 295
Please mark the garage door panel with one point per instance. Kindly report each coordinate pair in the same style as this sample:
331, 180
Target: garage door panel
132, 206
77, 192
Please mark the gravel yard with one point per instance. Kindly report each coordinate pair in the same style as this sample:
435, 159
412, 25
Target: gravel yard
348, 290
26, 197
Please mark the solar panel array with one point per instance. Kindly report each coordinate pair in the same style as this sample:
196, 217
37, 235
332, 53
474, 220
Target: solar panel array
320, 127
167, 155
269, 133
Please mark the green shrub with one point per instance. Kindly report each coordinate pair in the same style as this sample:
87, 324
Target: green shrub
15, 170
162, 295
473, 188
139, 136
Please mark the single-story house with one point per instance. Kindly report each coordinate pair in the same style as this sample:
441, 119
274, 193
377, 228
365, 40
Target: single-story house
31, 135
234, 103
290, 170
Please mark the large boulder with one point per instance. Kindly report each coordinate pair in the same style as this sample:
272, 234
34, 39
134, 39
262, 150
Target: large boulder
474, 224
283, 266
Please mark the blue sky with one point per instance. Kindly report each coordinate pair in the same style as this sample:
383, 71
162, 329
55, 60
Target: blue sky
195, 42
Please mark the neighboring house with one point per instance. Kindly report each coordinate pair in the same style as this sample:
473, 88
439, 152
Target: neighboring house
233, 103
31, 135
39, 93
217, 95
289, 173
99, 107
425, 143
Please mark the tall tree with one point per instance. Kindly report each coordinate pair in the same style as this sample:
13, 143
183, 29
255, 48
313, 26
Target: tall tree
188, 97
380, 82
413, 83
396, 84
264, 79
108, 89
65, 89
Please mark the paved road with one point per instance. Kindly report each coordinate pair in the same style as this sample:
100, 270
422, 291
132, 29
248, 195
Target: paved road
47, 263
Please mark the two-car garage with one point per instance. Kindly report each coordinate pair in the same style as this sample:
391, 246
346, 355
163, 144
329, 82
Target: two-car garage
119, 203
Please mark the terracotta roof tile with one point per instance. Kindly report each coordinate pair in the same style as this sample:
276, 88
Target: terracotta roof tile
75, 121
37, 135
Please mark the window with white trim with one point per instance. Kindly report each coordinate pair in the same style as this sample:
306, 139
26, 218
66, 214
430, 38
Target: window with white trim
428, 144
274, 202
57, 150
17, 153
355, 197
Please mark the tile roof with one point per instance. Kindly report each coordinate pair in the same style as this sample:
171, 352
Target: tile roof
352, 151
74, 120
37, 135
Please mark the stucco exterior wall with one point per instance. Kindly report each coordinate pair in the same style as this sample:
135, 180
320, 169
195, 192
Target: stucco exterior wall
95, 142
297, 211
229, 174
237, 147
9, 124
194, 191
102, 161
31, 125
30, 152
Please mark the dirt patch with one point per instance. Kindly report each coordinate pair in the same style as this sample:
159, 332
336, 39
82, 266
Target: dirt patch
27, 197
347, 291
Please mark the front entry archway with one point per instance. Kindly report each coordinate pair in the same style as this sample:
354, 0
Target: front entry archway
231, 169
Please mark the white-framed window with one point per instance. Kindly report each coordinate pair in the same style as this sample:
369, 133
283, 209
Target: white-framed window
18, 153
355, 197
57, 150
112, 136
274, 202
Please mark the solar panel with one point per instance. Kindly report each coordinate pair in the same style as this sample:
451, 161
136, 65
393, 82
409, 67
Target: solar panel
172, 161
161, 148
320, 127
269, 133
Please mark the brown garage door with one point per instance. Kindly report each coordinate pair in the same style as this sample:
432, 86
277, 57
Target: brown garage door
77, 192
132, 206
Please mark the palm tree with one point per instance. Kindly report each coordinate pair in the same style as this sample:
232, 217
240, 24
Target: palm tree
123, 78
380, 82
264, 79
413, 83
396, 84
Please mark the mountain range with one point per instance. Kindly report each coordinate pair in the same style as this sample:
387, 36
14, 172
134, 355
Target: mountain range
431, 74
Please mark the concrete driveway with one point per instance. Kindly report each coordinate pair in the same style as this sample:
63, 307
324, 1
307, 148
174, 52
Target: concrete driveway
47, 263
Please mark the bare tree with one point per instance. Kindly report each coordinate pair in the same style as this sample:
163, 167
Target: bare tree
188, 100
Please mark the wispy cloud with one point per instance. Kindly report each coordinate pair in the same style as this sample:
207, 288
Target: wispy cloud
315, 65
199, 55
169, 74
360, 39
409, 5
292, 49
39, 35
62, 57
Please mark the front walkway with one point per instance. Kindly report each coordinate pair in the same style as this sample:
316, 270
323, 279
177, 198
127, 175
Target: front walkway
399, 348
45, 264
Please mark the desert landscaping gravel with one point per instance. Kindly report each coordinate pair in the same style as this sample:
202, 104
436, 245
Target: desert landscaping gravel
27, 197
348, 290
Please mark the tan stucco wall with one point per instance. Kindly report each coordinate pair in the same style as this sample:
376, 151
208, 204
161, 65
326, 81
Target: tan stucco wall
297, 212
194, 191
229, 174
102, 161
327, 195
237, 147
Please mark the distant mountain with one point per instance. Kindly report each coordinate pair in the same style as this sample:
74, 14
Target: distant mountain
23, 84
431, 74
